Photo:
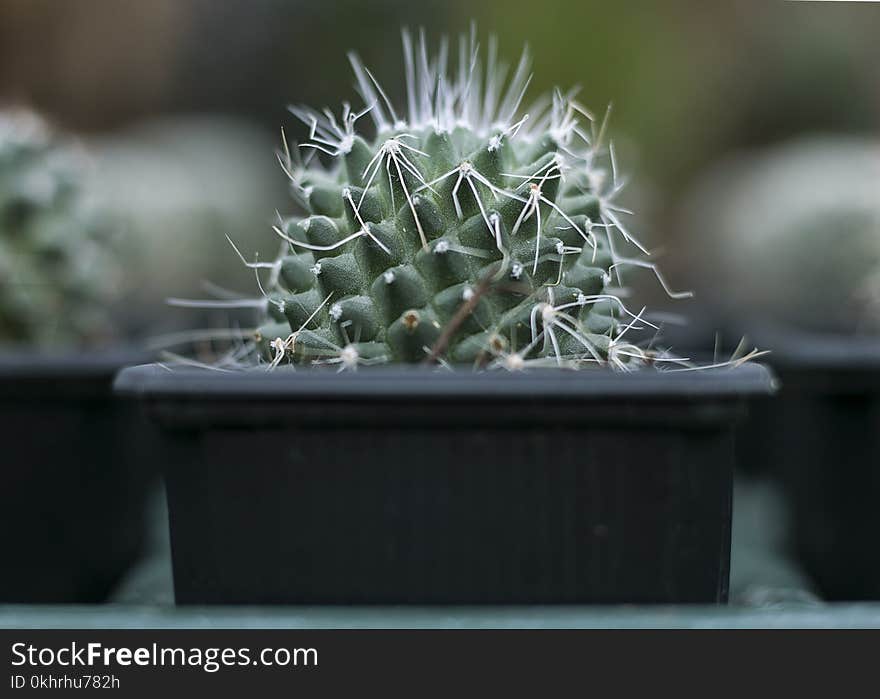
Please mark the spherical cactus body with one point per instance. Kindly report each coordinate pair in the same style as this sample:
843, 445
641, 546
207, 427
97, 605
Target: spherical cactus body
465, 231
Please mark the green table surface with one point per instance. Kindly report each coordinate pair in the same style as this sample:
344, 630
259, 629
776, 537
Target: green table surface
121, 616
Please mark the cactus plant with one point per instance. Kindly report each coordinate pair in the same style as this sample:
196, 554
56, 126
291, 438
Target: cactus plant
464, 231
54, 248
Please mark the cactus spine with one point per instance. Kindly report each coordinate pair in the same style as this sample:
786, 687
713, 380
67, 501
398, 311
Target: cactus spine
466, 231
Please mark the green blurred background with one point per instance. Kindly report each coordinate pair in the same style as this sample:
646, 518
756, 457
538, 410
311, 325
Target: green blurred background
691, 81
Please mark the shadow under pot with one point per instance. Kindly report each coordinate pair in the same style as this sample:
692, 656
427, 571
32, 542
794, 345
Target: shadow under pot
413, 486
72, 484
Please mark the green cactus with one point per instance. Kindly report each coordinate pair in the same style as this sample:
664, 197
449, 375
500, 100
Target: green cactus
54, 275
463, 232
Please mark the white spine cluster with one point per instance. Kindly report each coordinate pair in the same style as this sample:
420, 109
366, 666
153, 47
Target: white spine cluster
486, 98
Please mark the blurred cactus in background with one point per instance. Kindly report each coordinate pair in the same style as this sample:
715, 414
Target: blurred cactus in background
467, 230
57, 268
792, 234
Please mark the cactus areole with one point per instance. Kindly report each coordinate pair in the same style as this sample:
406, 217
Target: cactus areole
468, 230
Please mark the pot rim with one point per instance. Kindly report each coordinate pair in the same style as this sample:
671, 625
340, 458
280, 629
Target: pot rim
35, 375
21, 363
162, 381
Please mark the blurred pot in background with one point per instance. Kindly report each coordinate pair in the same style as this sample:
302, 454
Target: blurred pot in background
70, 495
786, 249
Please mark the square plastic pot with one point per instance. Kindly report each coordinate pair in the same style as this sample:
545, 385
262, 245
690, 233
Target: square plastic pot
420, 487
72, 485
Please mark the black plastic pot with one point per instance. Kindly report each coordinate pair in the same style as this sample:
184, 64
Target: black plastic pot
72, 485
412, 486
